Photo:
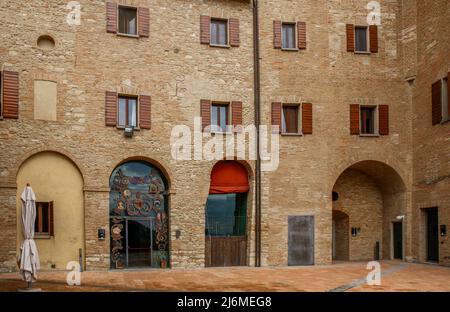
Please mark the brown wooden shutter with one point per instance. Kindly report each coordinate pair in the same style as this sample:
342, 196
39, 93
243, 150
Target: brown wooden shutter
205, 29
383, 119
448, 92
276, 114
111, 108
373, 34
205, 113
145, 112
111, 17
354, 119
307, 120
10, 104
144, 22
350, 38
277, 34
51, 219
436, 99
301, 33
234, 32
236, 113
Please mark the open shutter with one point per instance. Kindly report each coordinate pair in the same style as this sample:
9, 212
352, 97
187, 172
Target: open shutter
145, 119
276, 114
111, 109
51, 219
205, 29
236, 113
350, 38
144, 22
354, 119
301, 33
373, 37
307, 122
10, 101
277, 34
205, 113
111, 17
234, 32
383, 119
436, 99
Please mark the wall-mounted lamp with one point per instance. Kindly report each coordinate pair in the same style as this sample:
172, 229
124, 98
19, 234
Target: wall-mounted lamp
101, 234
128, 132
443, 230
401, 217
356, 231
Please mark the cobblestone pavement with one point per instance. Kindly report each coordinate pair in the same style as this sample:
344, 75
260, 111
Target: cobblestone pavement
349, 276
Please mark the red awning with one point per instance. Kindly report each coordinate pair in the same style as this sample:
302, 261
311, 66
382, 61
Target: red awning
227, 177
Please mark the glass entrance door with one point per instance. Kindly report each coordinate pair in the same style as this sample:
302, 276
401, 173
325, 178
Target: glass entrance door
139, 242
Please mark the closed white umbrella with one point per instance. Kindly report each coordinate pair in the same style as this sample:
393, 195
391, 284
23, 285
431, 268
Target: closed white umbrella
28, 258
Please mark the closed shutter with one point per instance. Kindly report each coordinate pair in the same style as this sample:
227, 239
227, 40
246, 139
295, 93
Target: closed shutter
234, 32
144, 22
51, 219
301, 32
307, 121
111, 109
10, 104
111, 17
145, 119
354, 119
383, 119
373, 34
350, 38
205, 29
436, 99
277, 34
236, 114
205, 113
276, 114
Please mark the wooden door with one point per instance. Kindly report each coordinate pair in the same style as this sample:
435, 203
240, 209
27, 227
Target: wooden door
222, 251
301, 240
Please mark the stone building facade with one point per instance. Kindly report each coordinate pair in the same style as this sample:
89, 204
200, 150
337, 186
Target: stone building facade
356, 187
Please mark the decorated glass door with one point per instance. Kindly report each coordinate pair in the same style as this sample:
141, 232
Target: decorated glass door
139, 222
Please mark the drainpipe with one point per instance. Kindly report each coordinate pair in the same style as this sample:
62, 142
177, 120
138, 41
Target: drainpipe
257, 97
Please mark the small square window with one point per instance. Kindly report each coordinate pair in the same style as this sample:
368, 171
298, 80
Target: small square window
288, 38
128, 21
368, 116
219, 117
43, 224
361, 35
290, 119
127, 111
219, 32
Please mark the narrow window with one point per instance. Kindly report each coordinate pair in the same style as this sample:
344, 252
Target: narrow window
361, 41
219, 32
288, 38
290, 119
219, 117
42, 225
367, 120
444, 94
128, 21
127, 112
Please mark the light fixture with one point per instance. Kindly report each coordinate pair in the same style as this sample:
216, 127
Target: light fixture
128, 132
401, 217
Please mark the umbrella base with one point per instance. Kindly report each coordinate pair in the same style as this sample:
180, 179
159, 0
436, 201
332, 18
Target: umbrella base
29, 290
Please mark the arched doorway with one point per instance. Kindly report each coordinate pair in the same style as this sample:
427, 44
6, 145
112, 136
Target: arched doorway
139, 216
226, 215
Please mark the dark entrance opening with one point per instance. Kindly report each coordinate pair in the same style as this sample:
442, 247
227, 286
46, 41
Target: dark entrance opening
432, 234
398, 240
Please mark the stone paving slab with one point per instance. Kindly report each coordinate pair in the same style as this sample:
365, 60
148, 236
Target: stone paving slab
400, 277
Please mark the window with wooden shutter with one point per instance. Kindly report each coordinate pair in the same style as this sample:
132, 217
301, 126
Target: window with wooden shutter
236, 114
373, 37
301, 33
44, 222
277, 34
350, 28
234, 32
145, 112
10, 97
205, 113
436, 99
144, 22
290, 118
111, 17
205, 36
307, 119
383, 119
276, 114
218, 32
354, 119
219, 117
111, 109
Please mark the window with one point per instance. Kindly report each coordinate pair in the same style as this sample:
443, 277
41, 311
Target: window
219, 117
288, 38
368, 115
226, 214
127, 112
219, 32
128, 21
290, 119
361, 41
43, 225
445, 112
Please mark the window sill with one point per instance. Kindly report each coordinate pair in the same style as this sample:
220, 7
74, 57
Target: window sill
223, 46
290, 49
363, 52
128, 35
441, 123
368, 135
291, 134
221, 132
42, 236
123, 128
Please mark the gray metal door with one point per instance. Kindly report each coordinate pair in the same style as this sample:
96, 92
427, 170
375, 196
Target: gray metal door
301, 240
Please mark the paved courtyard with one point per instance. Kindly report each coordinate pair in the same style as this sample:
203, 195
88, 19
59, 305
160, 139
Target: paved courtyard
349, 276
